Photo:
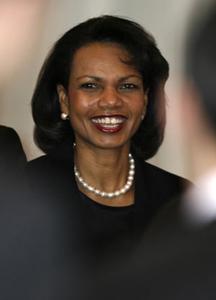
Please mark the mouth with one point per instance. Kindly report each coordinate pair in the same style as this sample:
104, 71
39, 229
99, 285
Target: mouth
109, 124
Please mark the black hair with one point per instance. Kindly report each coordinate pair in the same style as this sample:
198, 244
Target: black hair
200, 63
51, 131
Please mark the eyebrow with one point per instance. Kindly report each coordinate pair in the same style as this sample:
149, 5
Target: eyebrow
100, 79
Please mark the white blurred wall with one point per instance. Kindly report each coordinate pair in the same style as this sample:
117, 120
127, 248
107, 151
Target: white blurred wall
166, 20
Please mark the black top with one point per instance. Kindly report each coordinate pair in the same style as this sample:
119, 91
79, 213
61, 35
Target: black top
66, 246
96, 228
175, 260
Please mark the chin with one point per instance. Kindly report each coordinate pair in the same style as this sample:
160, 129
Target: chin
111, 144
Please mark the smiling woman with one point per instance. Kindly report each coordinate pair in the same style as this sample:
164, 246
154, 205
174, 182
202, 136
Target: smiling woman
105, 98
99, 112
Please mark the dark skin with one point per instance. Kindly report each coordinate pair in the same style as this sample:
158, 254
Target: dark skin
106, 102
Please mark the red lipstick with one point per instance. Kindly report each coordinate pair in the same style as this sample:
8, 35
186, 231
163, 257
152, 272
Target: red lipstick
109, 123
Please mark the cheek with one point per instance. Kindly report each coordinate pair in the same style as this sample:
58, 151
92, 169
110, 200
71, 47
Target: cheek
139, 107
77, 103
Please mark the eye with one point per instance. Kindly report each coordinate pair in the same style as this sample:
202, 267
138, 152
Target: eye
128, 86
89, 85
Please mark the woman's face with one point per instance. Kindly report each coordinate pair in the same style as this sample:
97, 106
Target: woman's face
105, 99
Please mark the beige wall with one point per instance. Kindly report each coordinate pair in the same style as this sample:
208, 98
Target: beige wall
165, 19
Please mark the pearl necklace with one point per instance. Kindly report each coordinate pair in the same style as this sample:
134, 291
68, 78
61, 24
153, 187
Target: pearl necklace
117, 193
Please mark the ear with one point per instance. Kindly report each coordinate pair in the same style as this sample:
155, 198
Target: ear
146, 98
63, 99
145, 106
145, 102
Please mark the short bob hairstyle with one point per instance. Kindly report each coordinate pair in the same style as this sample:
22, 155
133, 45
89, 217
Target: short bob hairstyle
51, 131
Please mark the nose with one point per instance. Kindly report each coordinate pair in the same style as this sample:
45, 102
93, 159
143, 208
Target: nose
110, 98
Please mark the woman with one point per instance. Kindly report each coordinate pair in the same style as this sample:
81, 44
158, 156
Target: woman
99, 112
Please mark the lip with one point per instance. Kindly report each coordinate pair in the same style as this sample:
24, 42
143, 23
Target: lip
116, 123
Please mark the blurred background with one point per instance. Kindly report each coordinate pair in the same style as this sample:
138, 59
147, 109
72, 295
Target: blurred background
28, 29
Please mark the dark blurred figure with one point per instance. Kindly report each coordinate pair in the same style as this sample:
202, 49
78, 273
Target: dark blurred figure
13, 212
12, 159
19, 28
11, 149
177, 259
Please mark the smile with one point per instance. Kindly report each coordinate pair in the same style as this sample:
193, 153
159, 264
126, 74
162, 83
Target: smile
109, 124
108, 120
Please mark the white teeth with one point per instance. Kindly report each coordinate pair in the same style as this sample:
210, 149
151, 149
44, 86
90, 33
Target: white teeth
108, 120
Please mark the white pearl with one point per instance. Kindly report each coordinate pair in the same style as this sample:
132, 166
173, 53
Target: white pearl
131, 172
117, 193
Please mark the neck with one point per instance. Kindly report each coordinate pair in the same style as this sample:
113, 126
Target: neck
106, 170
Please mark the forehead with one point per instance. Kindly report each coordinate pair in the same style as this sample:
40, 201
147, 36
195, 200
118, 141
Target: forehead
102, 57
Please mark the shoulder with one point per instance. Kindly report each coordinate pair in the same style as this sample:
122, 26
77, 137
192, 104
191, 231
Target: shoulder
10, 141
158, 186
44, 166
155, 188
39, 163
8, 133
12, 152
5, 129
162, 177
52, 182
50, 171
